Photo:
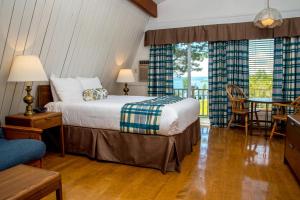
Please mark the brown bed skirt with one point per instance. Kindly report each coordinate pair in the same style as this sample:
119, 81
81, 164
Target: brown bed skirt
154, 151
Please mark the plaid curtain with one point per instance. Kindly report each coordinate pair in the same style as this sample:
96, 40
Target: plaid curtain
228, 64
237, 59
286, 76
217, 81
160, 75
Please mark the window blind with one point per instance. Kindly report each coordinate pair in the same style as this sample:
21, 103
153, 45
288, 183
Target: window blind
261, 59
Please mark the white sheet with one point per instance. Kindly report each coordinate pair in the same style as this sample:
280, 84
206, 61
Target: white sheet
105, 113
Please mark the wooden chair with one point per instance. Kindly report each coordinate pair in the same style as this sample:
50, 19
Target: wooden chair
237, 100
281, 114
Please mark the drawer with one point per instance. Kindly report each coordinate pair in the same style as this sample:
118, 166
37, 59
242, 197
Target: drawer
293, 132
292, 155
47, 122
17, 122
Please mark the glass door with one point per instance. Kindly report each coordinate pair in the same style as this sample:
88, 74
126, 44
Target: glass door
191, 73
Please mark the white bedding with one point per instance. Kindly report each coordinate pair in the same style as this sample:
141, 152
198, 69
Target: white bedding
105, 113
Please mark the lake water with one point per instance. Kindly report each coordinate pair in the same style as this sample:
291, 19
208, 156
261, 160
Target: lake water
198, 82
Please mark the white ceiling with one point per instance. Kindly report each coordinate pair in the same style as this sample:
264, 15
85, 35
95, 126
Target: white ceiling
180, 13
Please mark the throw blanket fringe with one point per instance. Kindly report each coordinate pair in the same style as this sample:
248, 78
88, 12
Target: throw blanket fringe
144, 117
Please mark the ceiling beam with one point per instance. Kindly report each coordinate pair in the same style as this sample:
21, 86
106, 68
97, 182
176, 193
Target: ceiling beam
148, 6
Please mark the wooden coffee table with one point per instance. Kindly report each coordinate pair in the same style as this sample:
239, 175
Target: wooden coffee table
26, 182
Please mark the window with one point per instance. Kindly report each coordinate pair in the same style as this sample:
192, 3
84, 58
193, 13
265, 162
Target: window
190, 67
261, 54
191, 72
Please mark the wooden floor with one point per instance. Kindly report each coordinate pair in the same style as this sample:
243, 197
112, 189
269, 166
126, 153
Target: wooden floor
223, 166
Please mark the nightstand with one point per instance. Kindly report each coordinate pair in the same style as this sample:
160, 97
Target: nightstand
39, 120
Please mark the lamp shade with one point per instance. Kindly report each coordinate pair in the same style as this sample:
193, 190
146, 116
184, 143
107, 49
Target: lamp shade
27, 69
268, 18
125, 76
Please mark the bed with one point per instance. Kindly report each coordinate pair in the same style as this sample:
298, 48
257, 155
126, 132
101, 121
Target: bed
93, 129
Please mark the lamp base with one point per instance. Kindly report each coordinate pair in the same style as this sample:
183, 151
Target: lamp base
126, 89
28, 99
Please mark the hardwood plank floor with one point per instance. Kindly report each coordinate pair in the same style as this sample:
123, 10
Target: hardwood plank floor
225, 165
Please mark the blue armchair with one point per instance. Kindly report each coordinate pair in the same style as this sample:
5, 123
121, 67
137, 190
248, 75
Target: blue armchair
20, 145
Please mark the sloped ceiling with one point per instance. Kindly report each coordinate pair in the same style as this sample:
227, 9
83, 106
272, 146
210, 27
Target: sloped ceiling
158, 1
82, 38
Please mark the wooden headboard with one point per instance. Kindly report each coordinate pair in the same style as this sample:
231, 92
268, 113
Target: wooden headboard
44, 95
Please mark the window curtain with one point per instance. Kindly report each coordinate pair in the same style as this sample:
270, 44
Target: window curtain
160, 74
286, 76
228, 64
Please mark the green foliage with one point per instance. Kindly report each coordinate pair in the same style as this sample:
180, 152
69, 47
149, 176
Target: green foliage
185, 82
204, 87
260, 84
199, 51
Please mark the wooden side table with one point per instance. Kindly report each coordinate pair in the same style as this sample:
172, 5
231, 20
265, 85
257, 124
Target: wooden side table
26, 182
40, 120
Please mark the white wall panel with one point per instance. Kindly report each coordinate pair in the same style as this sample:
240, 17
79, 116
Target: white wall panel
14, 31
72, 38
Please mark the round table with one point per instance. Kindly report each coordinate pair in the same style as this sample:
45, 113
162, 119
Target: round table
266, 101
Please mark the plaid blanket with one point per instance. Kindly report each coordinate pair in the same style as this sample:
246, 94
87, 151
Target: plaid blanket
144, 117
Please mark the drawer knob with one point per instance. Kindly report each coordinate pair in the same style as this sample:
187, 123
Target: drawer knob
291, 145
292, 123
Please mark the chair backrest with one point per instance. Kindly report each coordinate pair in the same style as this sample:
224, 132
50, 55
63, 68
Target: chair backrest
296, 104
236, 97
288, 108
235, 91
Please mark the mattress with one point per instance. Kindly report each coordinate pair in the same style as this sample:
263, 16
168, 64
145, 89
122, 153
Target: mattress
105, 113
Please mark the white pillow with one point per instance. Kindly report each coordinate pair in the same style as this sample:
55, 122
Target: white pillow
68, 89
89, 83
54, 94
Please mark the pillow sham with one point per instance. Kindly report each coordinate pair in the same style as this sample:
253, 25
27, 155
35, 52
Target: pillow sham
94, 94
68, 89
53, 91
89, 83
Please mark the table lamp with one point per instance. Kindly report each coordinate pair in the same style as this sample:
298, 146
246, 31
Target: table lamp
27, 69
125, 76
